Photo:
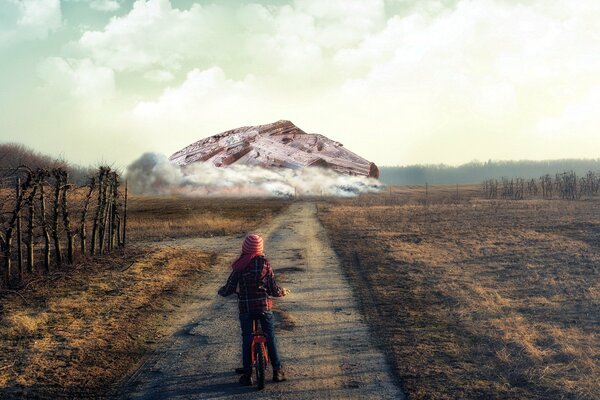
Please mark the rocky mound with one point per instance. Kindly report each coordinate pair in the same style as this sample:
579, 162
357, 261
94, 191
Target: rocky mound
280, 144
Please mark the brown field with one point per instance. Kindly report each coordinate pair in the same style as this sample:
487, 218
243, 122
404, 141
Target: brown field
79, 330
160, 218
73, 334
473, 298
469, 298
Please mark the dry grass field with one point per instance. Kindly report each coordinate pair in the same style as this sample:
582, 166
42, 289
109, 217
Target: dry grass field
163, 217
473, 298
73, 335
76, 332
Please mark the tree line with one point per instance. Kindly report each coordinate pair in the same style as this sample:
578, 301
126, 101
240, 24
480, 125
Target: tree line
476, 171
567, 185
46, 220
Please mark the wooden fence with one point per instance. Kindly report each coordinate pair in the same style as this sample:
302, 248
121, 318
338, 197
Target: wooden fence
46, 221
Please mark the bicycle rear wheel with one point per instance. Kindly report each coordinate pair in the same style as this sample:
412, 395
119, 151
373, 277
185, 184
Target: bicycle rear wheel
259, 356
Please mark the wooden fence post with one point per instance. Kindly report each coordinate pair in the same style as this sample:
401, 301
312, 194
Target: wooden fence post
114, 212
104, 214
9, 232
66, 218
82, 231
125, 216
30, 226
55, 235
95, 225
44, 224
19, 233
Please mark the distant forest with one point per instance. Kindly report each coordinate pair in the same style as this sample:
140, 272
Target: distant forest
477, 172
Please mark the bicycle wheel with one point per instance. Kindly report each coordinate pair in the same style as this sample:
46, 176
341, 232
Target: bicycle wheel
259, 356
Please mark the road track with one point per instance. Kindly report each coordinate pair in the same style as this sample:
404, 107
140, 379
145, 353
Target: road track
326, 347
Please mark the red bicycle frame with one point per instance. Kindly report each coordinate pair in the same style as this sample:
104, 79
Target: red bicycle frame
258, 339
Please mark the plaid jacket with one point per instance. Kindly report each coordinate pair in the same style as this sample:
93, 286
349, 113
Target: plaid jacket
256, 285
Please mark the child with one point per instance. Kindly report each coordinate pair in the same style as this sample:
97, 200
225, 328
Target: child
253, 275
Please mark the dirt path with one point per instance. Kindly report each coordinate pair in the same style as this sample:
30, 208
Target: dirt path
324, 343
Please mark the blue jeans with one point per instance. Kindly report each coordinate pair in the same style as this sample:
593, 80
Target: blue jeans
266, 322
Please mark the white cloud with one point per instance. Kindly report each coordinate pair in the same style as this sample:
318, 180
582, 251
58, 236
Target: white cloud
203, 94
153, 34
159, 75
290, 39
81, 79
28, 19
105, 5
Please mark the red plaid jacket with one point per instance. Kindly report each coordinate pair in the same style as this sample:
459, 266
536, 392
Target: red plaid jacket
255, 285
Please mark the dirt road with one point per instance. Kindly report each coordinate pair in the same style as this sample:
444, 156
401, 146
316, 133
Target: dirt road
325, 345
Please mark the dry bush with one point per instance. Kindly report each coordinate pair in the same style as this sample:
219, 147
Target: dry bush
478, 298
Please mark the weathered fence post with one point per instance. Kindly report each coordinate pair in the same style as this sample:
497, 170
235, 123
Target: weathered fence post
101, 184
30, 224
55, 235
114, 212
109, 219
44, 224
104, 213
66, 218
9, 232
19, 233
125, 216
82, 231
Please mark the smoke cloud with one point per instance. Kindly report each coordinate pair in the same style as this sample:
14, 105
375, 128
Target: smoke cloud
154, 174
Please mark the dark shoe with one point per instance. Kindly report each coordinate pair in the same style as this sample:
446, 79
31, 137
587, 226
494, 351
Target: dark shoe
246, 379
278, 375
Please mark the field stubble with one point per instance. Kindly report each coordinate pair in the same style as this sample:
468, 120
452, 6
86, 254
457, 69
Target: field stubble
474, 298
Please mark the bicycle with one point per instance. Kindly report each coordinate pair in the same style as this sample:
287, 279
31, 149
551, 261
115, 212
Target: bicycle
260, 356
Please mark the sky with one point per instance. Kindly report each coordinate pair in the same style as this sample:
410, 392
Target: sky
397, 81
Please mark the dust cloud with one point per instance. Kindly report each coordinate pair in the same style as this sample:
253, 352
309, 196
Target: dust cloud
154, 174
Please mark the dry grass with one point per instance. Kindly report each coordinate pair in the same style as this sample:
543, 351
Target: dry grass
158, 218
477, 298
78, 333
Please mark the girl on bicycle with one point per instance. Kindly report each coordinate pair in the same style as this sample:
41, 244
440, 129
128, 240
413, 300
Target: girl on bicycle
253, 280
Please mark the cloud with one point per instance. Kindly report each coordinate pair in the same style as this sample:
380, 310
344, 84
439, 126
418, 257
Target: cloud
204, 93
289, 38
80, 79
153, 34
28, 19
105, 5
159, 75
152, 173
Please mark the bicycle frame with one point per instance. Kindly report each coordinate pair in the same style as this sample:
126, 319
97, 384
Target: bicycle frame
258, 339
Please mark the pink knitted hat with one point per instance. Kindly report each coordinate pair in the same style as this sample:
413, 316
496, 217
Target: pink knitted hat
253, 244
252, 247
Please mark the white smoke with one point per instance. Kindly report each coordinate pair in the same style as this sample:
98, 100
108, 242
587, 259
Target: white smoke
153, 173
